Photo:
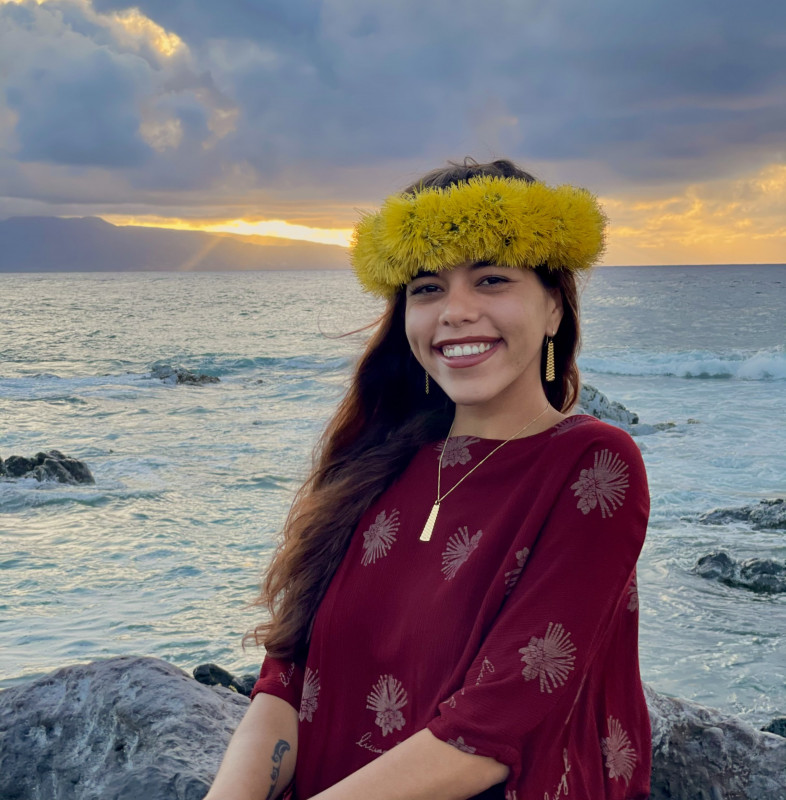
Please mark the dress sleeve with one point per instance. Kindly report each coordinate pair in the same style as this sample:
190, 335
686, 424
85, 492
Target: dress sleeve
282, 678
535, 656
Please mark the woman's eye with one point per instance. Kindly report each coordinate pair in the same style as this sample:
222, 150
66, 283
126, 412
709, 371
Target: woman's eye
492, 280
424, 288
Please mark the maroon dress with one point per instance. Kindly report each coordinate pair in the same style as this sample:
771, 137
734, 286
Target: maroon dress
512, 634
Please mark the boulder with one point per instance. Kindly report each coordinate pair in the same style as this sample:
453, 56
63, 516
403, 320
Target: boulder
595, 403
169, 374
133, 728
701, 754
762, 575
51, 465
127, 728
765, 515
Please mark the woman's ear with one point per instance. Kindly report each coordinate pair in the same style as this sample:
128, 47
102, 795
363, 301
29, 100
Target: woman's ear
555, 309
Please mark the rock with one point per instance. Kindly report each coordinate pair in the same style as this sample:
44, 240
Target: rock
765, 515
49, 466
133, 728
213, 675
594, 402
698, 752
762, 575
123, 729
776, 726
173, 375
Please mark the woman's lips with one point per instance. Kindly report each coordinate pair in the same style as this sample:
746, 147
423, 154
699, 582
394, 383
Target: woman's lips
461, 362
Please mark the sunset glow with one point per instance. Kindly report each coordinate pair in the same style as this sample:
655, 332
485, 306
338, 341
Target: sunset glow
137, 24
276, 228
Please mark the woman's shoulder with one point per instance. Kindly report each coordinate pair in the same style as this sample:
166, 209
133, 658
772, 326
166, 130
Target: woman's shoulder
583, 432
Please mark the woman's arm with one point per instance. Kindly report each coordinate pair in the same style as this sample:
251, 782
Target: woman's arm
420, 768
260, 760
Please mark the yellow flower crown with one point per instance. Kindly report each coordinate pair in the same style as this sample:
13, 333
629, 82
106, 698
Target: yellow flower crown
505, 221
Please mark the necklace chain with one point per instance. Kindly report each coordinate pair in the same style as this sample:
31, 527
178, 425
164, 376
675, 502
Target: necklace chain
432, 518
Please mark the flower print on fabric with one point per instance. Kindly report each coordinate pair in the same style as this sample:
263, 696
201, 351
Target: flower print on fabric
603, 485
485, 668
619, 752
562, 787
633, 595
459, 548
568, 424
387, 698
512, 577
379, 538
460, 744
310, 697
549, 659
456, 450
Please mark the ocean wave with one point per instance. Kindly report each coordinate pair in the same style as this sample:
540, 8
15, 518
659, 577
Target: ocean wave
762, 366
26, 493
220, 365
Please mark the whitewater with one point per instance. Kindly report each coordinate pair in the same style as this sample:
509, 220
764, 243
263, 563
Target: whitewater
163, 554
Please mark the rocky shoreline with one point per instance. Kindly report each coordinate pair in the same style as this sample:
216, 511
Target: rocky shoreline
132, 728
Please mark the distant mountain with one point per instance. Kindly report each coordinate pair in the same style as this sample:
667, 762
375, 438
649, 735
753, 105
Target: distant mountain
89, 244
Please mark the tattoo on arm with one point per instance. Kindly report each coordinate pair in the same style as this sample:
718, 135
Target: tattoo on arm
278, 754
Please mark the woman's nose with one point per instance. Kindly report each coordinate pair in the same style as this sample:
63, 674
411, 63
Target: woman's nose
458, 306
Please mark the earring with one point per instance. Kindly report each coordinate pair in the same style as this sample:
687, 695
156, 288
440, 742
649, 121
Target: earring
550, 373
427, 386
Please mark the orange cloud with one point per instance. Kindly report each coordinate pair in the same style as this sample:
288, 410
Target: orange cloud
719, 222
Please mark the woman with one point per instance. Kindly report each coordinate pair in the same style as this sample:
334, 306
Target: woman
453, 608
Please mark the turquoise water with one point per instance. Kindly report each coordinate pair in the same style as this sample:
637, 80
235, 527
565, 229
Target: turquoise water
162, 555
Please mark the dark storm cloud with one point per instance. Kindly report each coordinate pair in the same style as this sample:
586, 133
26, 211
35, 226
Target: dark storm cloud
80, 113
653, 92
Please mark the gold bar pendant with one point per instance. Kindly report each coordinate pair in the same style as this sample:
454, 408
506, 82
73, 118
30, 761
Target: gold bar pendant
428, 528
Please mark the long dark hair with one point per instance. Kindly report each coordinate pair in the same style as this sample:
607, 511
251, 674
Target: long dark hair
383, 420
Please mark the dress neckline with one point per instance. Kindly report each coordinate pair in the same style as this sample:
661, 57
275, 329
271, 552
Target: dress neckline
547, 433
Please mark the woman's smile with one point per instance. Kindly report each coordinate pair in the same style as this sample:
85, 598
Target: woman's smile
461, 353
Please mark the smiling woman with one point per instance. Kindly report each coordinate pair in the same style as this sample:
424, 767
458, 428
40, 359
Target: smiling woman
450, 607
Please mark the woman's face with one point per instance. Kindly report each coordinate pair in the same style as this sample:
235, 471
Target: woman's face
478, 330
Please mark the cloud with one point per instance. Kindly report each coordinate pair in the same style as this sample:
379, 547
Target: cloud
275, 104
723, 221
80, 112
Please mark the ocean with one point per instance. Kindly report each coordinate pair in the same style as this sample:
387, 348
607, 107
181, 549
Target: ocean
163, 554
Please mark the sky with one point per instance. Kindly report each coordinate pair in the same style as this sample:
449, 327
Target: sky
288, 117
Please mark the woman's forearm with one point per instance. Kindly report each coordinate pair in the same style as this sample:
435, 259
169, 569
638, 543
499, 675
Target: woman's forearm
420, 768
260, 760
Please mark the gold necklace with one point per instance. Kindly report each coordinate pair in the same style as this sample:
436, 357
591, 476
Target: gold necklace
428, 528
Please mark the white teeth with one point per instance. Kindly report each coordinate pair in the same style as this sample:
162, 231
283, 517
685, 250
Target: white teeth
453, 351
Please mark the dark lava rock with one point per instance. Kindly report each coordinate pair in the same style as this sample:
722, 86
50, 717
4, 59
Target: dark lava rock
124, 729
213, 675
138, 728
765, 515
49, 466
776, 726
762, 575
170, 374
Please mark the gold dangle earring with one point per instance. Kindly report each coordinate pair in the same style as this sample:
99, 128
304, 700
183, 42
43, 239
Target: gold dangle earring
427, 386
550, 373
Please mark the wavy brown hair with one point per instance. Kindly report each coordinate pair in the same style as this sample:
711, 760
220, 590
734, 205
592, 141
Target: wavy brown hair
383, 420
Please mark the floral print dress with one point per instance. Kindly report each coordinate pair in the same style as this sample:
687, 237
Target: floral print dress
512, 634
